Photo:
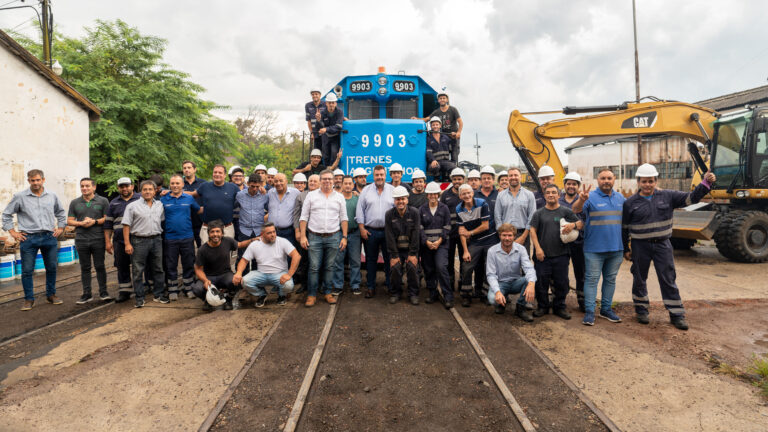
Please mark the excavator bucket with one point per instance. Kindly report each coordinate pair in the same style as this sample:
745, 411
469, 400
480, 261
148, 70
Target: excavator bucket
691, 223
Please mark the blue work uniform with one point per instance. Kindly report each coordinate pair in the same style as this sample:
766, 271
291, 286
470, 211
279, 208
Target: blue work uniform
439, 151
647, 221
451, 199
435, 261
333, 122
403, 234
179, 241
114, 221
310, 109
478, 245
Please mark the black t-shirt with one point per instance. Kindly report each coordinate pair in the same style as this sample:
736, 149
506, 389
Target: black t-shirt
449, 118
95, 209
316, 170
547, 225
215, 261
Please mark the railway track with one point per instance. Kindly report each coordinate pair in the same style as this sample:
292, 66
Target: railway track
309, 397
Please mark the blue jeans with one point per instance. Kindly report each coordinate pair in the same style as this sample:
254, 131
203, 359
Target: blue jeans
255, 281
353, 252
607, 264
49, 249
376, 242
322, 257
514, 286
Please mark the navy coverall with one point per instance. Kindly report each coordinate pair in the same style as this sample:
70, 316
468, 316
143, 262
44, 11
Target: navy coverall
452, 200
439, 151
114, 221
332, 121
435, 261
403, 238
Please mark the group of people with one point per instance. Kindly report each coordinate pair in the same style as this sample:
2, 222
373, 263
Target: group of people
509, 240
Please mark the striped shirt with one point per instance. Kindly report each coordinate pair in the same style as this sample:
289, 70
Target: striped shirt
471, 219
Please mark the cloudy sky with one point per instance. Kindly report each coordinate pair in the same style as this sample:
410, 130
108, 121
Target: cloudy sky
492, 56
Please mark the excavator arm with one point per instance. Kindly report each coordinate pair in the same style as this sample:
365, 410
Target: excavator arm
533, 141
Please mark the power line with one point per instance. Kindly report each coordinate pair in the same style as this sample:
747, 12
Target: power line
10, 2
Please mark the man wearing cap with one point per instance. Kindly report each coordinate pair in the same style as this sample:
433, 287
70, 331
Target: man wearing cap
402, 231
178, 237
503, 178
87, 214
396, 174
450, 198
191, 183
142, 224
568, 198
439, 147
312, 184
647, 221
314, 110
315, 164
330, 125
473, 179
546, 178
361, 180
116, 244
322, 214
299, 181
41, 219
417, 197
451, 123
271, 173
476, 233
338, 176
435, 218
352, 252
515, 205
372, 206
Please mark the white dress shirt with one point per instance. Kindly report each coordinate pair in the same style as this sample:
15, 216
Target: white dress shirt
324, 214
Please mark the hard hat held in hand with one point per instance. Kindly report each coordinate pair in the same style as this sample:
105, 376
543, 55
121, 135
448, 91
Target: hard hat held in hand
571, 236
214, 297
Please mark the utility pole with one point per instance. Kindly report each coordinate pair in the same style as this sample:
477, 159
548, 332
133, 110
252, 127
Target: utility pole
47, 31
637, 83
477, 149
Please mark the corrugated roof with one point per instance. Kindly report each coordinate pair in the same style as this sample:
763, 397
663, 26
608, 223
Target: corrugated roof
94, 113
738, 100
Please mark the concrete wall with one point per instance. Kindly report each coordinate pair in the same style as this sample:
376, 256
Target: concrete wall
40, 127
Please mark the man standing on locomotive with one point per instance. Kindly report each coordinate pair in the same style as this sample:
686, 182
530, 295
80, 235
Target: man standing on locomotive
313, 110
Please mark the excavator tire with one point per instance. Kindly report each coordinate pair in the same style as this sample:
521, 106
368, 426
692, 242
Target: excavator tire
743, 236
682, 243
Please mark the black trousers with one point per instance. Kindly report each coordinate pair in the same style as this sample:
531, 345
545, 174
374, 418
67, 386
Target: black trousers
222, 282
477, 253
396, 276
123, 266
555, 269
579, 268
184, 250
660, 252
435, 263
92, 248
453, 243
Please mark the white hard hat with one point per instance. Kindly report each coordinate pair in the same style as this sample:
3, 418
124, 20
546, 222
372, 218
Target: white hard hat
396, 167
435, 119
359, 172
571, 236
315, 89
399, 192
646, 170
488, 170
214, 296
546, 171
260, 167
315, 152
572, 176
234, 167
502, 174
474, 174
331, 97
272, 171
338, 171
417, 174
458, 172
299, 177
432, 187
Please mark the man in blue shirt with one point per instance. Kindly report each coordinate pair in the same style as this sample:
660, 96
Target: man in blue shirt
179, 238
218, 202
503, 266
372, 206
253, 207
602, 244
281, 200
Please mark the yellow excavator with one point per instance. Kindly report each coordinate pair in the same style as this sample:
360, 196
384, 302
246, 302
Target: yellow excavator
736, 217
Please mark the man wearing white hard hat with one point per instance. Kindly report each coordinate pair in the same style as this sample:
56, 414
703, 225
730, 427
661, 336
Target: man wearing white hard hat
416, 196
315, 164
271, 173
338, 176
571, 185
299, 181
450, 198
396, 176
647, 221
330, 125
439, 163
451, 122
435, 220
313, 112
402, 231
360, 175
473, 179
503, 179
488, 193
546, 177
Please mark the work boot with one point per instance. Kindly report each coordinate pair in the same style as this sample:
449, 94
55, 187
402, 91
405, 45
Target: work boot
679, 322
54, 300
499, 309
370, 293
228, 305
431, 298
523, 313
414, 300
330, 299
540, 312
207, 307
27, 305
562, 313
466, 301
310, 301
448, 304
394, 299
123, 296
643, 318
582, 307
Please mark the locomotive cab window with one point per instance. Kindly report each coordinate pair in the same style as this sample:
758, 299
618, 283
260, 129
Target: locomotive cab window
363, 109
402, 108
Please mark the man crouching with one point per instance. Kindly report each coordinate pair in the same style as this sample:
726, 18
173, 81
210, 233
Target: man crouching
503, 267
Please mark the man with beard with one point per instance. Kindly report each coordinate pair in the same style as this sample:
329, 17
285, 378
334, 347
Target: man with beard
450, 198
361, 180
417, 197
114, 223
87, 215
575, 248
451, 123
372, 206
515, 205
314, 110
402, 230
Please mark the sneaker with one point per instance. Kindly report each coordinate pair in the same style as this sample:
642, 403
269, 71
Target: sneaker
679, 322
161, 299
394, 299
190, 294
207, 307
85, 298
589, 318
414, 300
643, 318
54, 300
449, 304
562, 313
173, 296
610, 316
523, 313
336, 292
123, 296
310, 301
466, 301
356, 291
329, 298
27, 305
281, 300
261, 301
139, 303
227, 305
431, 298
105, 297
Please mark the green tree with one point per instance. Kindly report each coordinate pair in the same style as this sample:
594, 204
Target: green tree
153, 116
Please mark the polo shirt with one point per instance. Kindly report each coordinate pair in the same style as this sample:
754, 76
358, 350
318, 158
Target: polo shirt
95, 209
144, 220
602, 224
178, 216
218, 202
471, 219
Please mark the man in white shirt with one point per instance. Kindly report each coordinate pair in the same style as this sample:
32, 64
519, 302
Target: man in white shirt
322, 213
271, 254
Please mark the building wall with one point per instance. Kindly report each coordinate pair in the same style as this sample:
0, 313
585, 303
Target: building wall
40, 127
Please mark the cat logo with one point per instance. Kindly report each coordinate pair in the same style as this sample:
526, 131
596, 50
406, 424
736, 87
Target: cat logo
646, 120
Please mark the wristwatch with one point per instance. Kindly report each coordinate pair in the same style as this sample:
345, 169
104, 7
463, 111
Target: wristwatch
343, 237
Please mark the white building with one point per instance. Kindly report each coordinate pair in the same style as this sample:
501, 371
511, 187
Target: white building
43, 124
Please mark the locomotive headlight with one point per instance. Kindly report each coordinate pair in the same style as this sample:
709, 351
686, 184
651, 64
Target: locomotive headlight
382, 91
382, 81
740, 194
